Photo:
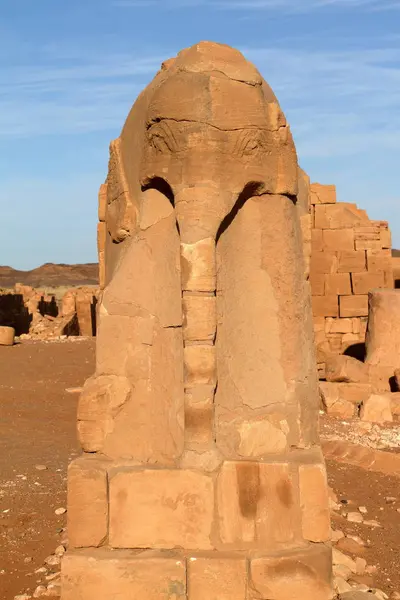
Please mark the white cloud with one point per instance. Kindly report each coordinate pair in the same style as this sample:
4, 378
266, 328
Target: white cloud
295, 6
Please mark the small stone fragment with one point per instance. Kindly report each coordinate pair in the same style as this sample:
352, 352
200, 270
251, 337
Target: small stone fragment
60, 550
52, 560
341, 559
337, 535
354, 517
361, 564
372, 523
41, 467
60, 511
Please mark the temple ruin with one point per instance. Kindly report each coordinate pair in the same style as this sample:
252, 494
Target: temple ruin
201, 476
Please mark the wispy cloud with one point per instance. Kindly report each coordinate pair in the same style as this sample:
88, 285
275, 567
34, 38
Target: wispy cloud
52, 98
338, 102
293, 6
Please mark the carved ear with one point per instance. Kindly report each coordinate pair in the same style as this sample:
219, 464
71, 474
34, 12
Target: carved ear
121, 214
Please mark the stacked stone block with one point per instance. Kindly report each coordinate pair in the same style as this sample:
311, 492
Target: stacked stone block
350, 255
102, 234
202, 476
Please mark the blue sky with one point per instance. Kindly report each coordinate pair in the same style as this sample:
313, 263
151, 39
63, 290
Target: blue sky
70, 71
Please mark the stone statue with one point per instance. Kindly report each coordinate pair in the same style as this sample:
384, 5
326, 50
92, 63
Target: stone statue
202, 475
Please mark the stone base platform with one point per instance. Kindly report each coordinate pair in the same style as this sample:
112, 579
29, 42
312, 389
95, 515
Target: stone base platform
105, 574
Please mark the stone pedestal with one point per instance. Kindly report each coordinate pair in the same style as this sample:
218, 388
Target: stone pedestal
202, 477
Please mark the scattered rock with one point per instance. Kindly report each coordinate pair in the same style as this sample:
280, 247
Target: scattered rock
337, 535
377, 409
60, 511
52, 560
342, 571
363, 510
361, 564
341, 559
350, 546
41, 467
354, 517
341, 586
372, 523
60, 550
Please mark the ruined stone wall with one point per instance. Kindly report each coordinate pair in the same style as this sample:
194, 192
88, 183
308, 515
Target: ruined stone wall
35, 314
350, 256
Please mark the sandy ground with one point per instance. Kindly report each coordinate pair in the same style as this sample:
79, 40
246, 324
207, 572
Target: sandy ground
37, 428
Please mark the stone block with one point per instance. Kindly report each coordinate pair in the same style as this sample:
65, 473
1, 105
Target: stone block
350, 339
335, 342
317, 281
323, 350
200, 365
87, 503
381, 261
314, 502
218, 577
162, 509
319, 323
338, 239
102, 202
333, 403
337, 284
379, 377
351, 260
365, 282
377, 409
395, 404
317, 243
367, 245
323, 262
104, 574
200, 317
322, 194
7, 335
340, 216
383, 336
346, 369
370, 232
100, 400
198, 266
385, 238
325, 306
353, 306
102, 270
304, 573
257, 505
356, 393
338, 325
261, 437
101, 237
199, 416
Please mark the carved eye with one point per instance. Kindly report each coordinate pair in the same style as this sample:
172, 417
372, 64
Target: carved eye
250, 142
161, 138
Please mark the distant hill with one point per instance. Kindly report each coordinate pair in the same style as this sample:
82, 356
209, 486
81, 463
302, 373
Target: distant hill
51, 275
396, 253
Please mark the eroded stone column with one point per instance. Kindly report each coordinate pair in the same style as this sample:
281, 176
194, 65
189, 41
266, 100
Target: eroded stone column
202, 475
